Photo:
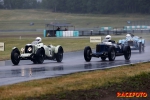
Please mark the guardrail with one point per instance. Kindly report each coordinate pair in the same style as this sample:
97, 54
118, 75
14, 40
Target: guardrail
114, 31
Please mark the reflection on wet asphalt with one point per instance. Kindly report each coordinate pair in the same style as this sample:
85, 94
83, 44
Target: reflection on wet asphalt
73, 62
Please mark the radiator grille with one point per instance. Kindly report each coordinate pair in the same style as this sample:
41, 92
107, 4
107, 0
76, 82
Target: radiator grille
130, 43
27, 49
97, 48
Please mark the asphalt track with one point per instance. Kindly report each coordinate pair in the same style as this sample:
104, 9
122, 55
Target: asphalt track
72, 62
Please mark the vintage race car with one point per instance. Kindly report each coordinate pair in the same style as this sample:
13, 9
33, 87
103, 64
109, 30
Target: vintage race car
37, 53
107, 50
135, 43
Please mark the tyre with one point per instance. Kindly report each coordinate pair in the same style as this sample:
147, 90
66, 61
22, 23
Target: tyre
143, 48
59, 55
103, 58
111, 53
140, 47
127, 52
40, 55
87, 53
15, 56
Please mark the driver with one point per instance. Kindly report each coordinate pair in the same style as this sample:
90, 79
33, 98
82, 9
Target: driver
37, 40
108, 39
128, 36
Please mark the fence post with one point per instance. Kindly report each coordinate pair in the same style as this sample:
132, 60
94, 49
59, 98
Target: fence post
116, 30
133, 31
107, 32
91, 32
99, 32
82, 33
141, 31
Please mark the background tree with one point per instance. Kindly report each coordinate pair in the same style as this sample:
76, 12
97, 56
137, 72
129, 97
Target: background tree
82, 6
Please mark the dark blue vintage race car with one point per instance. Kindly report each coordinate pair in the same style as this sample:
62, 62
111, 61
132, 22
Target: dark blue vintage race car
107, 50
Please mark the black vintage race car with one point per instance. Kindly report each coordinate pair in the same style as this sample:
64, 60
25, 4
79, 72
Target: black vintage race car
107, 50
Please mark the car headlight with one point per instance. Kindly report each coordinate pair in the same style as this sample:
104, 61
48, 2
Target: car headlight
22, 50
29, 49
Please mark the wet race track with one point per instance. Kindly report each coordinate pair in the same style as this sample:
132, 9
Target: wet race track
72, 62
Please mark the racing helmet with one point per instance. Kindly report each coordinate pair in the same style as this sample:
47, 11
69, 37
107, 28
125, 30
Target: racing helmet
108, 37
38, 39
128, 35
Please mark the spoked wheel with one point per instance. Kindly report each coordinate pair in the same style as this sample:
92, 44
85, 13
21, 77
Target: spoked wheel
87, 53
15, 56
40, 55
111, 53
127, 52
59, 55
103, 58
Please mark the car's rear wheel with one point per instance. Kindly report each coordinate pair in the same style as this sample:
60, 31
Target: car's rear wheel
59, 55
87, 53
40, 55
143, 48
127, 52
15, 56
103, 58
140, 47
111, 53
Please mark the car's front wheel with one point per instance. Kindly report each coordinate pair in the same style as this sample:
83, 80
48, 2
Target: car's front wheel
15, 56
40, 55
111, 53
87, 53
59, 54
127, 52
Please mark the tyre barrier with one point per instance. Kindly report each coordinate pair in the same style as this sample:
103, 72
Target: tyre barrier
67, 33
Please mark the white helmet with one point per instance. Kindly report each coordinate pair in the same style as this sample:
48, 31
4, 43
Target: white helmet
38, 39
108, 37
128, 35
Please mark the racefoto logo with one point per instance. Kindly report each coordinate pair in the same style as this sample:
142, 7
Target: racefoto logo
131, 94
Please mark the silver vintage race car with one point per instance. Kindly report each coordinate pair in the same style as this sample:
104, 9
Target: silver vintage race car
135, 42
37, 52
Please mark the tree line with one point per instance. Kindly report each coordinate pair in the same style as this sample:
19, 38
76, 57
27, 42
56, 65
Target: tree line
19, 4
82, 6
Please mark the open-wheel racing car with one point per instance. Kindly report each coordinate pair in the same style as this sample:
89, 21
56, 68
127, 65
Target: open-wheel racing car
107, 50
135, 42
37, 52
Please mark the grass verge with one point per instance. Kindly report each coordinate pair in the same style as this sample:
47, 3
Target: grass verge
20, 19
100, 84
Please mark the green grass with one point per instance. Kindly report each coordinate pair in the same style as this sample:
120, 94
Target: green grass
100, 84
21, 19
